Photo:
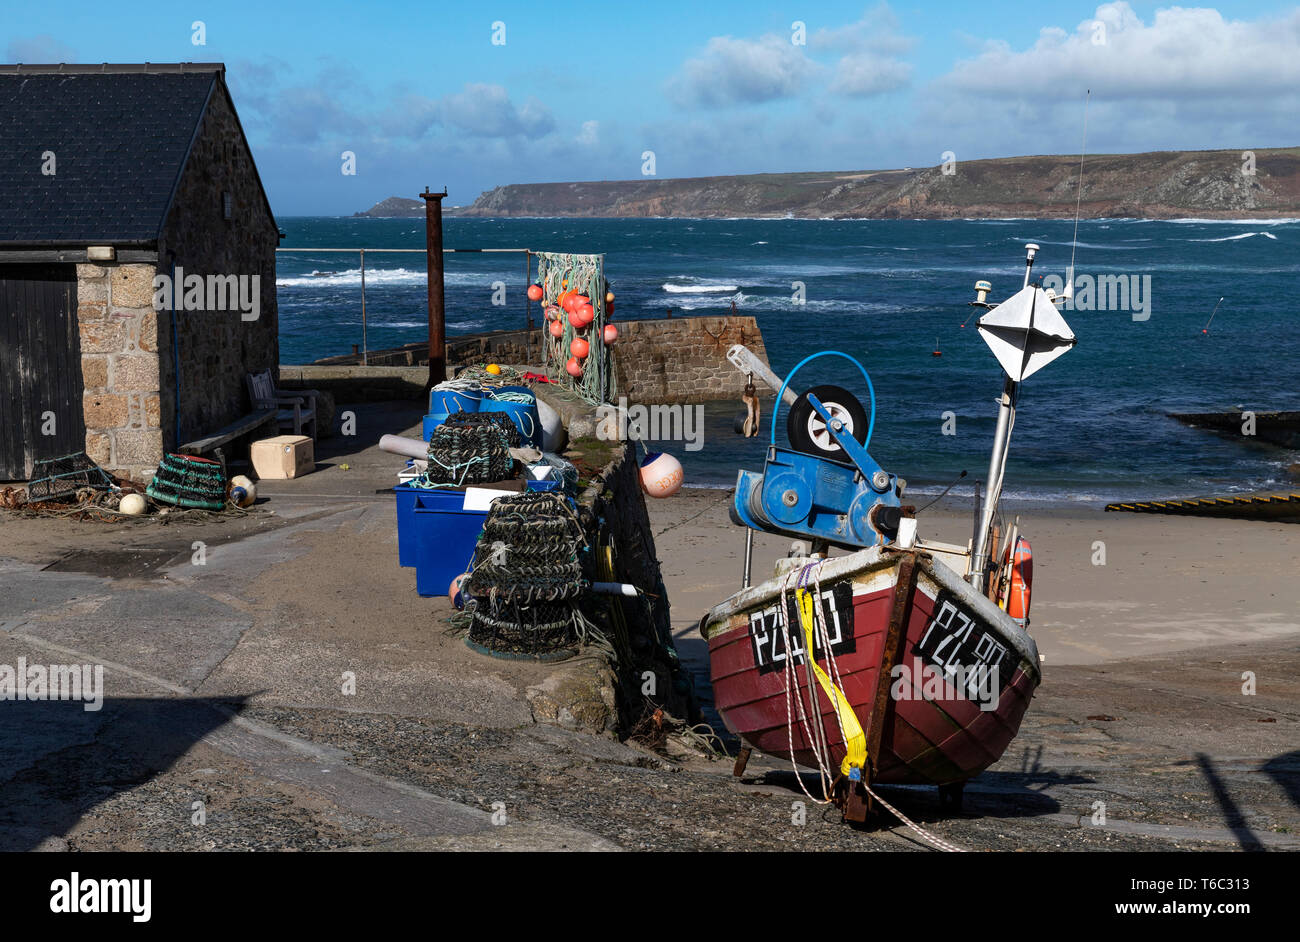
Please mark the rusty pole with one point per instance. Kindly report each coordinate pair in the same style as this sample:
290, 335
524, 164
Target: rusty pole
437, 299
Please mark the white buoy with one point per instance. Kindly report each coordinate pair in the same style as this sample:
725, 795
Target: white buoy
552, 427
243, 491
132, 504
661, 475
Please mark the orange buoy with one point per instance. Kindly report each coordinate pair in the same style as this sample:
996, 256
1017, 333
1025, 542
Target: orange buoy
556, 328
1022, 581
586, 312
573, 368
610, 334
579, 348
609, 297
576, 321
534, 292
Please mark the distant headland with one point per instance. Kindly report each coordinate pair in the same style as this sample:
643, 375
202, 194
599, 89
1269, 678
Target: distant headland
1260, 183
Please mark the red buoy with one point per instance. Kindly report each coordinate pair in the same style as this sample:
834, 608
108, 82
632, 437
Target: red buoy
579, 348
534, 292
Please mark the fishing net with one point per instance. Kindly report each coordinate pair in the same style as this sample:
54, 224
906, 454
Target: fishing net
189, 481
527, 578
559, 272
472, 448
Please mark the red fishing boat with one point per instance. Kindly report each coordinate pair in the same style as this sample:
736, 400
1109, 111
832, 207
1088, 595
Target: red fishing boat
921, 667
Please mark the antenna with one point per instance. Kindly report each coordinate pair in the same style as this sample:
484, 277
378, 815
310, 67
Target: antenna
1078, 201
1206, 328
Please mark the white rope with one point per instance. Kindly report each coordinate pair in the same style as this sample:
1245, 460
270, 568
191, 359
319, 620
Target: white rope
791, 680
819, 621
938, 842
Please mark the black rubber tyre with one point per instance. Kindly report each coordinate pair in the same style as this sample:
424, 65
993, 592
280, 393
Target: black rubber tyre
809, 434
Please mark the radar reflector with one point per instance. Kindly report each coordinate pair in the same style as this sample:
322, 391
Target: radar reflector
1026, 332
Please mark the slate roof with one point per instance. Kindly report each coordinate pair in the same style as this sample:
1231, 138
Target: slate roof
120, 136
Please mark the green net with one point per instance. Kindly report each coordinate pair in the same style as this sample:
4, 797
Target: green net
558, 272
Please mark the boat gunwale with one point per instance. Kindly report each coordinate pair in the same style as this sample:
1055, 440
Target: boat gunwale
875, 558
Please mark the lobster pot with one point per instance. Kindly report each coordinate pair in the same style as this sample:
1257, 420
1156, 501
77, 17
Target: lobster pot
189, 481
558, 272
527, 578
472, 448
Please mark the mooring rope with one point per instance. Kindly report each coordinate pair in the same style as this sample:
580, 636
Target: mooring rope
818, 738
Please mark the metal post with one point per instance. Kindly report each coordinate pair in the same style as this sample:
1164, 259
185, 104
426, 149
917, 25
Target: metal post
749, 555
365, 347
528, 278
997, 464
437, 298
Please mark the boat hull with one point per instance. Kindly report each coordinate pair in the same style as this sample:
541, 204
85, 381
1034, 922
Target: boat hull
900, 623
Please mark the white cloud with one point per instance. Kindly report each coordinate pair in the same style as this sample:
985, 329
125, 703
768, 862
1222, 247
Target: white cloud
864, 74
878, 31
39, 50
487, 111
1182, 54
742, 71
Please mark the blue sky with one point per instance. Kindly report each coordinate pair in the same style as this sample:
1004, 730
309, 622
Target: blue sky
421, 94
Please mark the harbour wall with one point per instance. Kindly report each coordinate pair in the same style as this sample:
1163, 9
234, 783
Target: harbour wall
668, 360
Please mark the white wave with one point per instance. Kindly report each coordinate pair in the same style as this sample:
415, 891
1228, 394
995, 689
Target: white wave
385, 276
1192, 221
763, 243
700, 289
1234, 238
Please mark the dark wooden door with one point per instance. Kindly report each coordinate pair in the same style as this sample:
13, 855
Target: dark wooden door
40, 367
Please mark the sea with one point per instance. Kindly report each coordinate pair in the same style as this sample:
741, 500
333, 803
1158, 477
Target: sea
1092, 427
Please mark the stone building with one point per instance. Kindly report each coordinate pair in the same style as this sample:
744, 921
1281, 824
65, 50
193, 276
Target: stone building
110, 177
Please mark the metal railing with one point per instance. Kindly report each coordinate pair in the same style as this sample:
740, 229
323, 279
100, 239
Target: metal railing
365, 348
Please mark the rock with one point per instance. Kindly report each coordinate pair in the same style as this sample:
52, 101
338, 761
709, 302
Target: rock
578, 696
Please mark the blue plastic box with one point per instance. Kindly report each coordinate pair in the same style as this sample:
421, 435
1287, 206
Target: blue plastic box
445, 537
431, 422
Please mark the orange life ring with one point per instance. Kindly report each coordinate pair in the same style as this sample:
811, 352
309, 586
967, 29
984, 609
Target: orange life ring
1021, 582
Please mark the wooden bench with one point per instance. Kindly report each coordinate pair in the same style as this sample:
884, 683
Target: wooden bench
215, 442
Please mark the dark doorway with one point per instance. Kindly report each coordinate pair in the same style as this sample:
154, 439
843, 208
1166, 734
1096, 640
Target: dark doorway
40, 367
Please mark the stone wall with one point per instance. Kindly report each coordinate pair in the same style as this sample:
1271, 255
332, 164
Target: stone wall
683, 359
119, 367
217, 348
672, 360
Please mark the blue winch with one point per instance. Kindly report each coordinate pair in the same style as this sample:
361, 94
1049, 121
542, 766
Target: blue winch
810, 491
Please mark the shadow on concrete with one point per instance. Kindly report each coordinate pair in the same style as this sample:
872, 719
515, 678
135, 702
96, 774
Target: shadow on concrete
59, 760
1285, 771
372, 420
1005, 793
1232, 815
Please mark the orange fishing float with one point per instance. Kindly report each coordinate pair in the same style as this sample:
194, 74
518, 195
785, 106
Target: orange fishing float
573, 368
534, 292
579, 348
556, 328
610, 334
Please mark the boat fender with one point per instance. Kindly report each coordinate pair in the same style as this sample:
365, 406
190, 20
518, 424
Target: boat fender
1022, 580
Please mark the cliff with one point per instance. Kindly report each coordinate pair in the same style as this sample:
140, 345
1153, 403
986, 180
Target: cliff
1164, 184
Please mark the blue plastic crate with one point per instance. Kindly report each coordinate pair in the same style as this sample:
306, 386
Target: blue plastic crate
445, 537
